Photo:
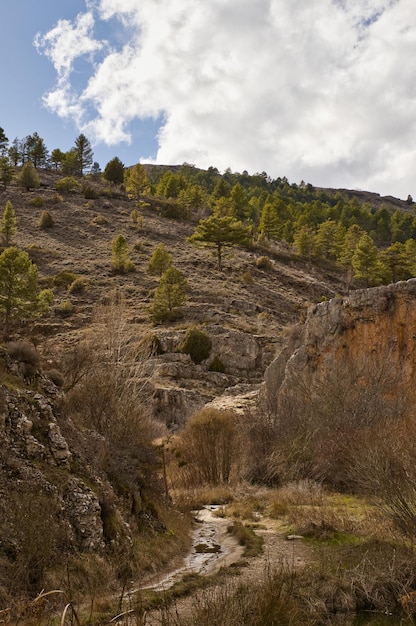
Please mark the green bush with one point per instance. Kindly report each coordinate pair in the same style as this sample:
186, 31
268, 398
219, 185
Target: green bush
197, 344
65, 309
79, 285
45, 220
264, 263
64, 279
68, 184
216, 365
37, 201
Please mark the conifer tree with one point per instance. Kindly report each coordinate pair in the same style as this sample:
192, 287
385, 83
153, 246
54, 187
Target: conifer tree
84, 153
269, 222
137, 181
3, 142
365, 261
159, 261
169, 296
8, 223
114, 171
19, 289
121, 262
6, 171
28, 177
220, 231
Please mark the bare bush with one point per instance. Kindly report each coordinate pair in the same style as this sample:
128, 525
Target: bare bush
208, 447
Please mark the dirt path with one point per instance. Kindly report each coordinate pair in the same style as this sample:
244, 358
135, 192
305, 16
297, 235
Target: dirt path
277, 550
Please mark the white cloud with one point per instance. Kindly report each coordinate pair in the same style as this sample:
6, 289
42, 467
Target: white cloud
323, 91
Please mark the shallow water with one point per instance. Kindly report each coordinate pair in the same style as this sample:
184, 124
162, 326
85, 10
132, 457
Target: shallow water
212, 547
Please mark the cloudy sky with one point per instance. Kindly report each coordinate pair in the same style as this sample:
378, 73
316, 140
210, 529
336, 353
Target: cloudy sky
317, 90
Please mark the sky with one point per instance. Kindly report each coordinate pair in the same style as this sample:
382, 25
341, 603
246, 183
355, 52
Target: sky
322, 91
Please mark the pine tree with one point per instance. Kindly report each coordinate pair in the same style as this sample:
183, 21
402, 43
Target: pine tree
121, 262
220, 231
28, 177
396, 262
269, 222
365, 261
6, 171
19, 289
114, 171
169, 296
304, 241
3, 142
159, 261
8, 223
137, 181
84, 153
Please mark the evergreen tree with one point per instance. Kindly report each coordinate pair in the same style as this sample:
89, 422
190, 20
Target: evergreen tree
304, 241
36, 151
328, 240
8, 223
16, 152
239, 201
395, 261
137, 181
6, 171
365, 261
71, 165
159, 261
28, 177
114, 171
220, 231
169, 296
57, 158
3, 142
19, 289
121, 262
84, 153
269, 222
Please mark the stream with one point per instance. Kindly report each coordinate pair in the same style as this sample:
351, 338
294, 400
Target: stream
212, 548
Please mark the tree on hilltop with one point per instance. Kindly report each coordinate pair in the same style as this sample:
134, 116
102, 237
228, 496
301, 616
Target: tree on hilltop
84, 153
137, 182
3, 142
114, 171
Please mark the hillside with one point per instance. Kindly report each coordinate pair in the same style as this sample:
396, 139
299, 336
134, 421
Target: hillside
93, 394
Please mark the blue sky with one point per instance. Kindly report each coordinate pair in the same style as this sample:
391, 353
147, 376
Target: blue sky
321, 91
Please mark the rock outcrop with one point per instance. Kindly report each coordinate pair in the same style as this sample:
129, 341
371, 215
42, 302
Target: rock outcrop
371, 330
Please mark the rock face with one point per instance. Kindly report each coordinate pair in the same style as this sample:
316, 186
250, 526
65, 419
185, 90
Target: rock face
371, 329
179, 387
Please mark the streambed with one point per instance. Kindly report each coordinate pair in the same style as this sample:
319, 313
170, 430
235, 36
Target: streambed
212, 548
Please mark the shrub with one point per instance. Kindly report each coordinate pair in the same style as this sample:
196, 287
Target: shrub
56, 198
56, 377
197, 344
64, 279
45, 220
78, 285
68, 184
121, 262
89, 192
99, 220
65, 309
216, 365
264, 263
247, 277
37, 201
136, 218
24, 351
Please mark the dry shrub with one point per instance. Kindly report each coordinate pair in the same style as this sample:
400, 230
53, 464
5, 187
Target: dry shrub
46, 220
79, 285
24, 351
208, 446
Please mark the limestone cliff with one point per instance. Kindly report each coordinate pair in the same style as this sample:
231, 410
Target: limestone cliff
369, 329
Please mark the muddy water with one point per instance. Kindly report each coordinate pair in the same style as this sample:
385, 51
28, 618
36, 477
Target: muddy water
212, 548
